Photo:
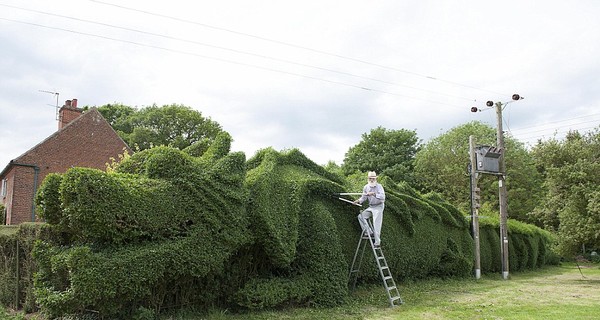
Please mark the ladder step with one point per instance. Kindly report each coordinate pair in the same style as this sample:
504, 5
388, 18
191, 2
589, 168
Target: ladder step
384, 270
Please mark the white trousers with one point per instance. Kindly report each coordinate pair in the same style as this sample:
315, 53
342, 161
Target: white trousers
377, 213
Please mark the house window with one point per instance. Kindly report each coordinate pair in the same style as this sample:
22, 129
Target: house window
3, 192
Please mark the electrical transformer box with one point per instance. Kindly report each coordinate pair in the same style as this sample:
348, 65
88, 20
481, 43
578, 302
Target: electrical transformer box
488, 159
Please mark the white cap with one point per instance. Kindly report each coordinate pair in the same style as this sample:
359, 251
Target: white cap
371, 174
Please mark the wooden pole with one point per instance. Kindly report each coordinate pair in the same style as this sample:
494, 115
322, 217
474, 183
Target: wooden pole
475, 203
502, 196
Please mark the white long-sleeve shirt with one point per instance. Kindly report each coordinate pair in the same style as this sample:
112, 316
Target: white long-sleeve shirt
375, 200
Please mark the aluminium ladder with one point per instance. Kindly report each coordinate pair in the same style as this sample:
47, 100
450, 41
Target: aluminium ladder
384, 270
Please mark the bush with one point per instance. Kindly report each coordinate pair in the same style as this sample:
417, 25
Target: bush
17, 267
2, 215
529, 246
152, 233
291, 213
166, 229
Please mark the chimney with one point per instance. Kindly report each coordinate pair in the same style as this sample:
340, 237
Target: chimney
68, 113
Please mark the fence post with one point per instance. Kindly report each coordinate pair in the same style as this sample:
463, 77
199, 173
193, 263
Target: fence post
18, 277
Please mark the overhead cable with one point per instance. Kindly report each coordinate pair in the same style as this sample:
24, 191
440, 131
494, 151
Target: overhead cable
229, 61
235, 51
292, 45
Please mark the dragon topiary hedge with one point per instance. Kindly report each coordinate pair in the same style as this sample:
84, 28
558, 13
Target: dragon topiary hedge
204, 227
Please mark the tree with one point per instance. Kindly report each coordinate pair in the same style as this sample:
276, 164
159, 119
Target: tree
116, 114
441, 166
387, 152
172, 125
571, 205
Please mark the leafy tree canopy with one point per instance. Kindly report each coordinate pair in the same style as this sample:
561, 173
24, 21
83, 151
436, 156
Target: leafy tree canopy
389, 152
172, 125
572, 183
441, 166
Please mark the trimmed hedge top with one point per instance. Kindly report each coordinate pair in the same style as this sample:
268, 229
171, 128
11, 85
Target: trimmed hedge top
205, 227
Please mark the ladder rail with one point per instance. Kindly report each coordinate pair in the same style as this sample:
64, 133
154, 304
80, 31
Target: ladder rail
356, 254
391, 288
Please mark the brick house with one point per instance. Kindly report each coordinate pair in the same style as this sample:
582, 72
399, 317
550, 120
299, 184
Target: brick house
83, 139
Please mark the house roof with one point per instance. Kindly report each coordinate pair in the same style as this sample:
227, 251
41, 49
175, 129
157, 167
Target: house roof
92, 112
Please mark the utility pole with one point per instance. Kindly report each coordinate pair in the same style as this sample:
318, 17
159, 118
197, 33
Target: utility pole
475, 204
502, 194
501, 172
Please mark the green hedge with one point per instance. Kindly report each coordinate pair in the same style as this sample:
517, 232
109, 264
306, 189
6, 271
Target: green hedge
206, 228
8, 265
17, 266
297, 245
529, 247
158, 232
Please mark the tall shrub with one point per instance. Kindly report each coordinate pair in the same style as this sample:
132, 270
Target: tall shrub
160, 231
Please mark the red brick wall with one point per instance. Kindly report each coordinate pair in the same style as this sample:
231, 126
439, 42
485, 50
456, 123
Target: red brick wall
88, 141
19, 196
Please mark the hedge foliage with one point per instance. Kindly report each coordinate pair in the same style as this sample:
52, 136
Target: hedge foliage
17, 266
204, 227
529, 247
159, 231
297, 248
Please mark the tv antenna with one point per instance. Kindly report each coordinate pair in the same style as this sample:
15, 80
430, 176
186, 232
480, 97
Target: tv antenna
56, 106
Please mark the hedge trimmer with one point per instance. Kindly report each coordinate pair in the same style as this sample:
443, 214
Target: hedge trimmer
338, 195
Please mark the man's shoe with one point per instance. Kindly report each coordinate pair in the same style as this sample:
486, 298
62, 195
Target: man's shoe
377, 246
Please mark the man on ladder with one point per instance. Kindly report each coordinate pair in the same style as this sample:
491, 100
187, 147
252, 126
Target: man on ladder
373, 192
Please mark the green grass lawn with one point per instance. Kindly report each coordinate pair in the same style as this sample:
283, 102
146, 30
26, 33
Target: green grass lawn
551, 293
562, 292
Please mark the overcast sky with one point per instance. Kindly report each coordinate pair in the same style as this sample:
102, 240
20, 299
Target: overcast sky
312, 75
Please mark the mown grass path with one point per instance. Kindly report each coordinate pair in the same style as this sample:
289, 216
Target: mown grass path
561, 292
552, 293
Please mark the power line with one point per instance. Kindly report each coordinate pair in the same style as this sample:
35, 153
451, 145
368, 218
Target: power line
556, 132
565, 126
228, 61
526, 131
558, 121
558, 129
235, 51
293, 45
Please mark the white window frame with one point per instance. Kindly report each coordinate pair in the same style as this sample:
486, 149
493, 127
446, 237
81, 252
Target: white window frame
4, 183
